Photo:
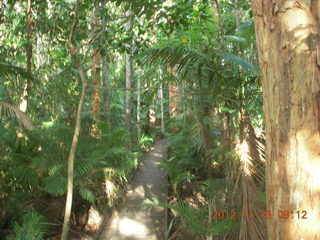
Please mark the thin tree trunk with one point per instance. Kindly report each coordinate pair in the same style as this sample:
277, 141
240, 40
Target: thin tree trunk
1, 10
105, 74
173, 100
96, 66
207, 138
128, 94
162, 106
139, 107
289, 56
25, 94
129, 77
71, 158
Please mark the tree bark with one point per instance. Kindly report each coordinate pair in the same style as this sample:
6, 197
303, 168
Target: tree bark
162, 106
105, 73
25, 94
1, 10
139, 107
288, 44
106, 102
129, 76
72, 153
96, 68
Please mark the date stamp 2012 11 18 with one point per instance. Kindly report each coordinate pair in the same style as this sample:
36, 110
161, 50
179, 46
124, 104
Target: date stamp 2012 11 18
265, 214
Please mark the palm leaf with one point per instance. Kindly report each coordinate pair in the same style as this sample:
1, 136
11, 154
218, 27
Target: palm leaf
7, 70
9, 110
238, 60
180, 55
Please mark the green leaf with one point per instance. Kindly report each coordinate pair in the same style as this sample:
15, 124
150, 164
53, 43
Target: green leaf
226, 109
234, 38
87, 194
56, 184
238, 60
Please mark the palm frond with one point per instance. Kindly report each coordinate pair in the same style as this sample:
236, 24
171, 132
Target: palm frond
180, 55
238, 60
252, 176
9, 110
7, 70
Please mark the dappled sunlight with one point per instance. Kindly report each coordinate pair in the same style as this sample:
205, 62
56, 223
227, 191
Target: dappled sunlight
129, 227
243, 151
94, 219
156, 154
303, 168
109, 187
296, 21
138, 191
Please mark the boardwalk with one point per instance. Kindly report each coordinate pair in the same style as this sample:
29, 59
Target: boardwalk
132, 222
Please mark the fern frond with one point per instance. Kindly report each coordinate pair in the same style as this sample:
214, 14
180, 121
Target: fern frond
193, 218
32, 228
55, 184
87, 194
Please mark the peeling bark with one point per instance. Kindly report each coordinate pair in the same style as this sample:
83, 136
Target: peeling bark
288, 44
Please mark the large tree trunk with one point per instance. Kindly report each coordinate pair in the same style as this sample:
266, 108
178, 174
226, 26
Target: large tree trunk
288, 45
24, 97
75, 139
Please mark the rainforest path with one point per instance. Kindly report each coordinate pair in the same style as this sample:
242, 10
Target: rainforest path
131, 221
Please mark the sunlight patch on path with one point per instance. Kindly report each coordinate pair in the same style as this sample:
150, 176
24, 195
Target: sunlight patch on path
131, 221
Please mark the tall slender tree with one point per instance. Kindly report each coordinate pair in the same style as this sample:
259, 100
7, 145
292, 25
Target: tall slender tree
74, 54
129, 74
96, 67
28, 47
288, 44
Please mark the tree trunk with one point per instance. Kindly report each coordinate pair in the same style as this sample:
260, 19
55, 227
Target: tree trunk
105, 76
105, 73
139, 107
129, 77
73, 53
24, 97
162, 107
95, 66
1, 10
288, 45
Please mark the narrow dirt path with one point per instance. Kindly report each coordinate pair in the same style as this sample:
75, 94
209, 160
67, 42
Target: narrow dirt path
133, 222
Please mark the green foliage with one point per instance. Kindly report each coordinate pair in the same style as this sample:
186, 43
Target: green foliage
146, 141
196, 219
31, 228
261, 197
214, 188
7, 71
